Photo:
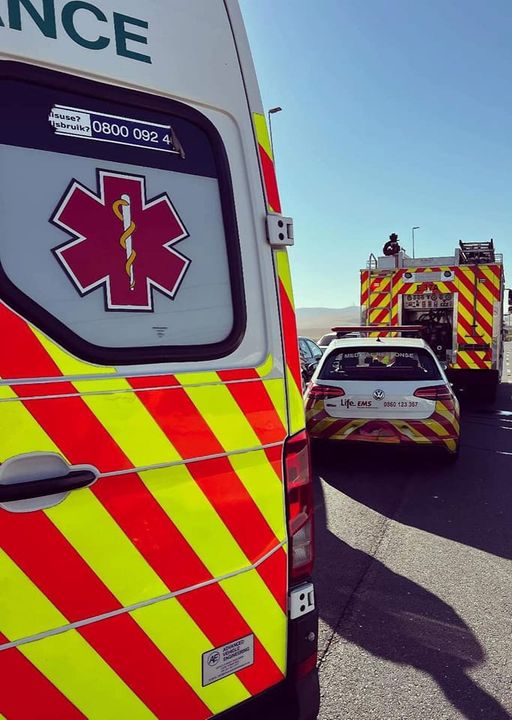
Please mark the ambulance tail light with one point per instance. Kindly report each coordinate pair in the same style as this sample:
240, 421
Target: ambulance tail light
434, 392
299, 488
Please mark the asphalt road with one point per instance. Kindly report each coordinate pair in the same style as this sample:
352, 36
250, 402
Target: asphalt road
414, 579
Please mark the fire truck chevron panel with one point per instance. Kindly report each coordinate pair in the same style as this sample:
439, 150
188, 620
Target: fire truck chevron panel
459, 302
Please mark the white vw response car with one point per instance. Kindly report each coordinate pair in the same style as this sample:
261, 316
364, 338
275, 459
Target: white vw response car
383, 390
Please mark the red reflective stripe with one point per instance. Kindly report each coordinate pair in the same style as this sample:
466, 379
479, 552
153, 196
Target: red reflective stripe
275, 458
26, 694
254, 401
289, 325
235, 506
269, 176
46, 557
274, 572
477, 359
222, 623
468, 280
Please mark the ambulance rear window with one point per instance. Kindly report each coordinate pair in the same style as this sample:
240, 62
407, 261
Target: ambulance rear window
118, 233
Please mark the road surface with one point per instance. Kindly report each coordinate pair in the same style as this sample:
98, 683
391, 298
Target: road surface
414, 579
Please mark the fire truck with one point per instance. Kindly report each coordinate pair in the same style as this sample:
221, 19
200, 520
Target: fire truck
457, 300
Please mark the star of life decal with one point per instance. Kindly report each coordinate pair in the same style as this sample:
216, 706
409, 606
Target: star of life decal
121, 242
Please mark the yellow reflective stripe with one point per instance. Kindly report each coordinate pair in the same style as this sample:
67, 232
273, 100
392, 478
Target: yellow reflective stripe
132, 426
263, 615
467, 359
275, 389
443, 287
19, 431
437, 428
86, 524
198, 522
264, 486
491, 275
488, 295
221, 412
68, 364
183, 643
296, 402
266, 368
260, 125
283, 270
466, 313
443, 410
67, 660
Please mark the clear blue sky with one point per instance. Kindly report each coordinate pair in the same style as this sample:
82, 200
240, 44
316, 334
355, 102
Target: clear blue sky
395, 113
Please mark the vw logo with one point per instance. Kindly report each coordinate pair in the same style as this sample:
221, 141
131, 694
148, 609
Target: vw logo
379, 394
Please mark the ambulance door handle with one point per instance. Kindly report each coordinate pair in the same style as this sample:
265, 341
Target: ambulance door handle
49, 486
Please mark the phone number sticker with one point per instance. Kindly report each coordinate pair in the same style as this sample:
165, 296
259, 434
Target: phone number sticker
90, 125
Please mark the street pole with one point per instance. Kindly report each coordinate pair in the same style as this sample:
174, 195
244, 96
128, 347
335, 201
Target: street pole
416, 227
271, 112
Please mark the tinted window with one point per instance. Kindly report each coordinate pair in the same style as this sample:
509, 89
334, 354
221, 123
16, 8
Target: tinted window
304, 349
373, 363
314, 349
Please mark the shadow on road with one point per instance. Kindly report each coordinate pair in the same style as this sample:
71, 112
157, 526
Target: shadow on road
395, 619
468, 502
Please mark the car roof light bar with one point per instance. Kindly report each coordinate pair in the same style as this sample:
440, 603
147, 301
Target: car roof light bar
378, 328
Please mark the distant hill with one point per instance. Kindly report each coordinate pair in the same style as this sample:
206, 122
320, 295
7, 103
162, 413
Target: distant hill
315, 322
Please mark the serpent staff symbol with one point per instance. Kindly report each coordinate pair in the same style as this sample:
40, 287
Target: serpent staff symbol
122, 210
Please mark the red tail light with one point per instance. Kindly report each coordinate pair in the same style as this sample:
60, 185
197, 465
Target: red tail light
323, 392
434, 392
299, 488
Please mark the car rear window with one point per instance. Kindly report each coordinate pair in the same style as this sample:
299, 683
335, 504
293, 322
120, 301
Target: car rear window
326, 339
371, 363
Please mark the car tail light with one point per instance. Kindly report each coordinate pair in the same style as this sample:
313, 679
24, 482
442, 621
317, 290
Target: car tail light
299, 489
434, 392
323, 392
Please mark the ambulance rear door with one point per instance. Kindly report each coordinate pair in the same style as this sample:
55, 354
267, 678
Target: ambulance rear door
143, 404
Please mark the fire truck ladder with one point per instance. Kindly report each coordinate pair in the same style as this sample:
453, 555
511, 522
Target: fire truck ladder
476, 253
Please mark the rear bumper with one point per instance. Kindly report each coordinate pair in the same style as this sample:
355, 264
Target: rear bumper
296, 698
432, 431
282, 702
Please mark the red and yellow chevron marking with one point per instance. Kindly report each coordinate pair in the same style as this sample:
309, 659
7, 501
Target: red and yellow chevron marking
442, 427
135, 537
267, 163
291, 350
478, 288
365, 289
